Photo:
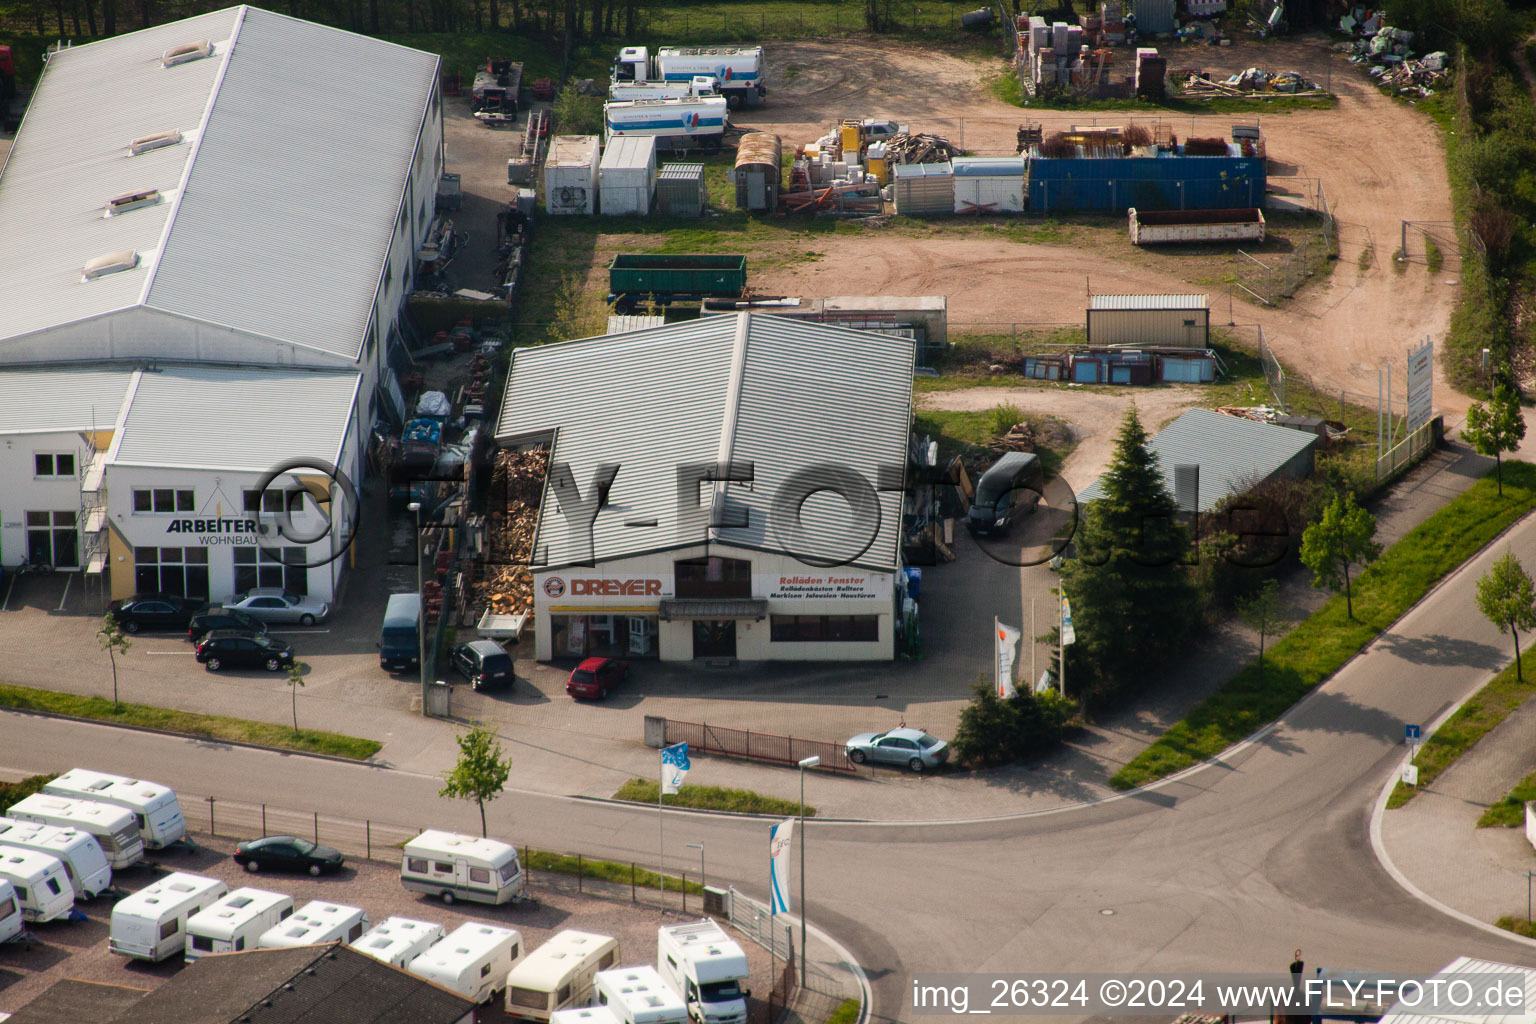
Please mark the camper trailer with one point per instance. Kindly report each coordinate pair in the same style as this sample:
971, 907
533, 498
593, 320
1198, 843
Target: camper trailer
151, 924
41, 885
11, 923
84, 862
316, 922
707, 969
235, 922
399, 940
639, 995
472, 960
585, 1015
112, 826
559, 974
460, 867
155, 809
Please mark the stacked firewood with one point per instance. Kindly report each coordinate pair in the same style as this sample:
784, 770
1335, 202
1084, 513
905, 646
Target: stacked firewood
921, 149
517, 487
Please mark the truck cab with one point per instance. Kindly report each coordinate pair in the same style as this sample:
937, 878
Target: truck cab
632, 66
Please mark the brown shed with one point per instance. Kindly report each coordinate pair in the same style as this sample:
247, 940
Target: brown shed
759, 171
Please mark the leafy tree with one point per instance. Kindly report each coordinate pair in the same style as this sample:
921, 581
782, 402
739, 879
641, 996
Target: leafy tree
1506, 595
114, 642
1340, 539
481, 772
1266, 614
295, 680
576, 113
1133, 599
1496, 427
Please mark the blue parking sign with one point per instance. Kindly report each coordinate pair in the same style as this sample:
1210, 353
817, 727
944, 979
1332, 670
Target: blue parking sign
1411, 734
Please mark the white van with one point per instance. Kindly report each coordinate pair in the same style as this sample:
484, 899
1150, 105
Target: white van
235, 922
559, 974
154, 807
41, 884
585, 1015
472, 960
453, 866
639, 995
314, 923
11, 922
84, 862
706, 968
151, 924
399, 940
112, 826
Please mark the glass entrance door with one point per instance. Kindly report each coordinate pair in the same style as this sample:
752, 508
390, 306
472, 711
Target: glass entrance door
714, 638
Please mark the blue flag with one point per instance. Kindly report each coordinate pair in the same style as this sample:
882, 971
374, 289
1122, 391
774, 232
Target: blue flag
674, 767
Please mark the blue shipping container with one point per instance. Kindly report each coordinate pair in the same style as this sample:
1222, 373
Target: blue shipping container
1147, 183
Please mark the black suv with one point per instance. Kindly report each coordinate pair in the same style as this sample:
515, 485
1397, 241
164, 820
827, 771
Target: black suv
210, 619
229, 648
483, 663
154, 611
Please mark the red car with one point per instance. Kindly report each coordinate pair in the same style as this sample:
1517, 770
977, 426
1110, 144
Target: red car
595, 676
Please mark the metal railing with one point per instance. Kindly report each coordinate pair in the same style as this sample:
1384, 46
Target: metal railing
1274, 373
1406, 452
753, 920
704, 738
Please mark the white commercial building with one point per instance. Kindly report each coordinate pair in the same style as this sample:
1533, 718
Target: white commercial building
238, 188
794, 557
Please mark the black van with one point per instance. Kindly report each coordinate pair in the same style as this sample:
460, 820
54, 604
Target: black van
1011, 485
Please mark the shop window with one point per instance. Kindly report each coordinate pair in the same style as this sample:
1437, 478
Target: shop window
180, 572
54, 464
162, 499
714, 577
261, 567
53, 540
824, 628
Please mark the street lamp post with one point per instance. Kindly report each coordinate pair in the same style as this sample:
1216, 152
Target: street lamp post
809, 762
421, 625
700, 848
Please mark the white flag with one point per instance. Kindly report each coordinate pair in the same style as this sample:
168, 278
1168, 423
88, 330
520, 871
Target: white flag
1068, 634
1007, 641
779, 838
674, 767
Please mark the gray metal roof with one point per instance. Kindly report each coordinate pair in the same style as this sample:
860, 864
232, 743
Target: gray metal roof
988, 166
54, 401
788, 396
1464, 966
204, 417
623, 323
934, 170
1148, 302
277, 207
1232, 452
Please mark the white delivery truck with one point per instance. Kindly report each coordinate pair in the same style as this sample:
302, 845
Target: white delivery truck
112, 826
40, 882
707, 969
151, 924
399, 940
84, 862
692, 89
459, 867
674, 124
11, 921
235, 922
155, 809
316, 922
639, 995
585, 1015
473, 960
739, 69
559, 974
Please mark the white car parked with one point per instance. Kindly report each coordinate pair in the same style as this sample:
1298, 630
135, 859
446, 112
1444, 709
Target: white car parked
272, 604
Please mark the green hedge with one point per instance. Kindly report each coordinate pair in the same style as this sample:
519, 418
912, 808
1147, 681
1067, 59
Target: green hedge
710, 798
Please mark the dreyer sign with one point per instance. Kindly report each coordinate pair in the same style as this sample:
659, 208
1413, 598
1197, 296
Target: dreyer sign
564, 588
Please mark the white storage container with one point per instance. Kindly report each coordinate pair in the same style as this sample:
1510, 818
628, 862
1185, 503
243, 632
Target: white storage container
627, 176
989, 184
570, 175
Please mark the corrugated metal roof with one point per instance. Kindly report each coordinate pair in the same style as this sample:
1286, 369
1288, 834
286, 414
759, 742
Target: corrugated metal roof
48, 401
1149, 302
1232, 452
937, 170
679, 172
786, 395
1466, 965
621, 324
632, 152
297, 142
204, 417
988, 166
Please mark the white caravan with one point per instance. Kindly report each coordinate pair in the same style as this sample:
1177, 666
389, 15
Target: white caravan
84, 862
559, 974
399, 940
638, 995
316, 922
41, 885
112, 826
585, 1015
11, 922
472, 960
154, 807
235, 922
460, 867
151, 924
707, 969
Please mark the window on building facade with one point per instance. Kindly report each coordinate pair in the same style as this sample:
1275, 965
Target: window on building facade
824, 628
714, 577
53, 540
270, 500
54, 463
162, 499
261, 567
180, 572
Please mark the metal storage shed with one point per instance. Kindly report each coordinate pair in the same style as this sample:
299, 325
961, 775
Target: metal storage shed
680, 191
627, 176
1149, 321
924, 189
989, 184
1230, 452
759, 171
1169, 181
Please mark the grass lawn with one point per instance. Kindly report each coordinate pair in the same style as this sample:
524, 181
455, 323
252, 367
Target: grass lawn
1321, 644
603, 870
710, 798
847, 1013
215, 727
1510, 811
1516, 925
959, 433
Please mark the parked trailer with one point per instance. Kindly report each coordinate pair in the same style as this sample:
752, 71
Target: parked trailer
399, 940
112, 826
559, 974
41, 883
674, 124
151, 924
11, 920
680, 278
235, 922
496, 87
473, 960
639, 995
314, 923
739, 69
460, 867
83, 859
1150, 227
155, 808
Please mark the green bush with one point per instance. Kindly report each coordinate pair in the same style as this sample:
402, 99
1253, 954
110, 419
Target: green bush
1000, 418
15, 792
994, 730
847, 1013
577, 114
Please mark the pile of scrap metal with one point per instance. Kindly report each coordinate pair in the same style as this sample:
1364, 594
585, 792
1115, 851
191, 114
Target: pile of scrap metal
1413, 77
1331, 431
513, 226
437, 252
1249, 82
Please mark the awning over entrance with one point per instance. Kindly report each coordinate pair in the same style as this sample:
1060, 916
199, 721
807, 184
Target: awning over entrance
714, 608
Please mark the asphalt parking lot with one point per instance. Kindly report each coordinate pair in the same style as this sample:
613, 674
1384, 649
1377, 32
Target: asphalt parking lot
78, 949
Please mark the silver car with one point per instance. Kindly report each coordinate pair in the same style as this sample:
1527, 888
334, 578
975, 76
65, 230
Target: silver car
273, 604
911, 747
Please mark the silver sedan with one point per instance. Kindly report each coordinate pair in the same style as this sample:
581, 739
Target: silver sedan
911, 747
275, 605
